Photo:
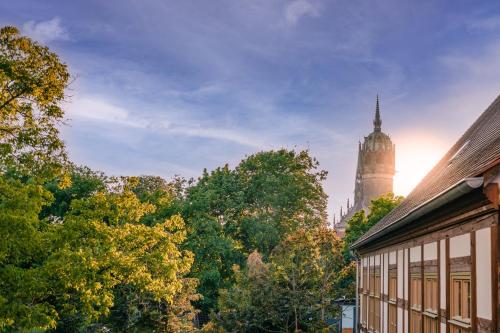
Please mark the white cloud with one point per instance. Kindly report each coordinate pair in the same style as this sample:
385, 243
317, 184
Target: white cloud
96, 109
295, 10
46, 31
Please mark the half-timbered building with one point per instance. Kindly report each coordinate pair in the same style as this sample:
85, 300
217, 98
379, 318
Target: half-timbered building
432, 264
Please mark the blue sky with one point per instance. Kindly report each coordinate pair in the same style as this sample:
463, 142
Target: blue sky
171, 87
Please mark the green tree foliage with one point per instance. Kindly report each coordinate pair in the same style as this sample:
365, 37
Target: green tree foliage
32, 85
70, 274
282, 193
168, 197
215, 200
360, 223
292, 292
232, 212
83, 183
23, 284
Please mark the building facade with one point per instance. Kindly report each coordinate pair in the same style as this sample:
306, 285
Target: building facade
374, 173
432, 264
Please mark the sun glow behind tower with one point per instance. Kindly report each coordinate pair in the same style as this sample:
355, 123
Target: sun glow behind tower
416, 153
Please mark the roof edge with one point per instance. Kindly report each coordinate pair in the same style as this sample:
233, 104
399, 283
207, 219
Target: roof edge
453, 192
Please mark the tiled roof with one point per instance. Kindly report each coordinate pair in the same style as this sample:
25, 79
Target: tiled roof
478, 148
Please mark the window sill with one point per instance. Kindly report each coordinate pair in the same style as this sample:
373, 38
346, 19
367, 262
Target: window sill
392, 301
430, 314
459, 323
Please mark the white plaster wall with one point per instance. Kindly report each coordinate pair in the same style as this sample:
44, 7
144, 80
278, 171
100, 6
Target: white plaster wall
400, 273
400, 320
392, 258
377, 260
386, 273
442, 273
415, 254
483, 273
443, 328
430, 251
460, 246
365, 261
406, 257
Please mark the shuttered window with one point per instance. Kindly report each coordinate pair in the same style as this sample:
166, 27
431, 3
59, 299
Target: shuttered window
416, 304
431, 323
460, 301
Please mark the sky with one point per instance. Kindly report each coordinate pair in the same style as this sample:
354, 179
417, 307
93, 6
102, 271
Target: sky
172, 87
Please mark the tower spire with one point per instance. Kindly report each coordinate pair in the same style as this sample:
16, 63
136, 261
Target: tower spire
377, 122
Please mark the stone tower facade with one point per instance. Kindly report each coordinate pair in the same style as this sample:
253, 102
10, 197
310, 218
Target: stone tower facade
375, 171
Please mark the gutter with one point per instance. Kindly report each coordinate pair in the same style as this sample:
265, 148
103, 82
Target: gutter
453, 192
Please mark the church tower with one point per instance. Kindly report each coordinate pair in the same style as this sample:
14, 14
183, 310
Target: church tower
375, 170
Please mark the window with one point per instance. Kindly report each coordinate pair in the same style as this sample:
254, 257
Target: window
393, 289
376, 324
372, 281
374, 300
431, 324
364, 297
393, 318
430, 303
460, 295
393, 285
364, 309
431, 293
416, 303
365, 278
416, 292
377, 284
371, 314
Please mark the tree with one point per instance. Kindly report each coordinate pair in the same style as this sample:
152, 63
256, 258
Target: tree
24, 287
291, 293
83, 183
282, 192
69, 274
215, 254
32, 86
109, 256
360, 223
167, 196
232, 212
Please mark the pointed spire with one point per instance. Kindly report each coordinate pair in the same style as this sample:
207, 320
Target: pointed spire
347, 204
341, 215
377, 122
